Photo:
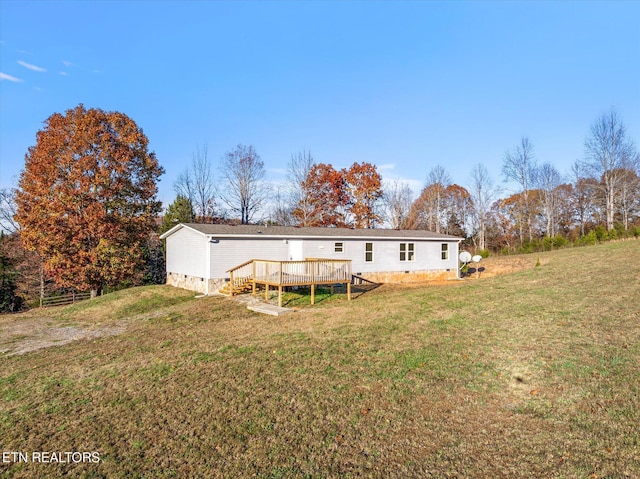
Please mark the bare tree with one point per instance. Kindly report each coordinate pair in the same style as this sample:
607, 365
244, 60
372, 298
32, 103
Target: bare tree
245, 190
609, 156
519, 166
483, 193
583, 194
629, 193
196, 184
300, 195
549, 179
281, 209
8, 210
397, 200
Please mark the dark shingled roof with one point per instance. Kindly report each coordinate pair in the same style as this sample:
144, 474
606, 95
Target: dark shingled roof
311, 232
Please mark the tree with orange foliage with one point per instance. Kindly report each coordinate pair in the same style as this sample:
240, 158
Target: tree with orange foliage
364, 187
327, 197
87, 198
427, 211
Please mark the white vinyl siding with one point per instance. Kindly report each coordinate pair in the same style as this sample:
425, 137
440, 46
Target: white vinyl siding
187, 253
229, 252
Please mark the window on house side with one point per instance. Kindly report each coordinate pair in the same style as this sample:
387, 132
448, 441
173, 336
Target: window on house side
407, 251
338, 247
368, 252
444, 251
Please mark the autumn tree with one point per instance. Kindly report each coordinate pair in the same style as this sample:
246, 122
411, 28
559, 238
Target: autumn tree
457, 207
427, 211
609, 156
328, 198
245, 190
87, 197
363, 186
196, 183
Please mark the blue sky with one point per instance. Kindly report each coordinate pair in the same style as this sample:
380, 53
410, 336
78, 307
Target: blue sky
403, 85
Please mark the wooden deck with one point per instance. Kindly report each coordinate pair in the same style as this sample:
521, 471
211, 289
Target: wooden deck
280, 274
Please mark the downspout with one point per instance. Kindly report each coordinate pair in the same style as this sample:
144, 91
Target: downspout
457, 261
208, 268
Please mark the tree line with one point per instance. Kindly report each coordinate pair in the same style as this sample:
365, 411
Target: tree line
600, 192
85, 214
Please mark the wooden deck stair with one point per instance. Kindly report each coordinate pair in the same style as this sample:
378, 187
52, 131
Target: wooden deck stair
240, 287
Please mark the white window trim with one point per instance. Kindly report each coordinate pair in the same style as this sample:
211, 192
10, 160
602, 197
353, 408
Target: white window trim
365, 252
406, 252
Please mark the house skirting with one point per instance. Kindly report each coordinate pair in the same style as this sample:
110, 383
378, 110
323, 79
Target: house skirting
199, 285
395, 277
194, 283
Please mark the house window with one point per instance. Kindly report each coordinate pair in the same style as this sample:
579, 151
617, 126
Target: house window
407, 251
444, 252
368, 252
338, 247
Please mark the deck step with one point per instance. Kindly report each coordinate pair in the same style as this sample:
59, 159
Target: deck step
230, 290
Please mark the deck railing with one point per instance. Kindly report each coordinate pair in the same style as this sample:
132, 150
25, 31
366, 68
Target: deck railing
309, 272
298, 273
240, 274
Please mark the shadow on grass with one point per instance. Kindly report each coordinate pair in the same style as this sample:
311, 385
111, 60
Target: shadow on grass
301, 295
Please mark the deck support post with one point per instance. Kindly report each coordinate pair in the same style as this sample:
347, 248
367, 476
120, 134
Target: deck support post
253, 286
349, 291
266, 292
280, 296
313, 293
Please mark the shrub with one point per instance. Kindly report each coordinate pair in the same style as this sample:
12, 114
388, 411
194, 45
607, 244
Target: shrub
601, 233
560, 241
590, 238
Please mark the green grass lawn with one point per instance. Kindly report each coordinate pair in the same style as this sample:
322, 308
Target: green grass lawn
530, 374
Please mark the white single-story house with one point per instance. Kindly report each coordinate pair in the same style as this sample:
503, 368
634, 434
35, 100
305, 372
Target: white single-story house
199, 256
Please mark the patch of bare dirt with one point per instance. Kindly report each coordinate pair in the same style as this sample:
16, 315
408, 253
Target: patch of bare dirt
497, 265
22, 335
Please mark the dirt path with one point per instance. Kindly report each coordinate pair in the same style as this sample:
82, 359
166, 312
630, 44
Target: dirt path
19, 335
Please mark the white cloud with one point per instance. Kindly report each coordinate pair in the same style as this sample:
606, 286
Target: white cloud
35, 68
4, 76
63, 73
66, 63
387, 166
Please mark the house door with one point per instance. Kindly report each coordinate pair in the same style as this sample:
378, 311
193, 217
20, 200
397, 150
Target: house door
296, 252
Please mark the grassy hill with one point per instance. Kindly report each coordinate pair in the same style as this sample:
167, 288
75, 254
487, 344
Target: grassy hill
528, 374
